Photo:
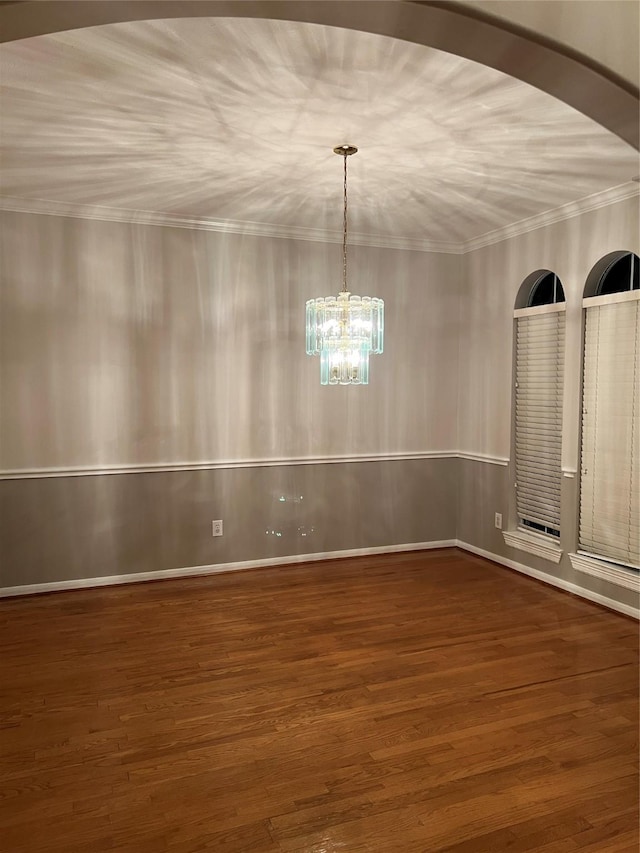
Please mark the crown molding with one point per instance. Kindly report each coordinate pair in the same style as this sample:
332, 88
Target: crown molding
551, 217
48, 207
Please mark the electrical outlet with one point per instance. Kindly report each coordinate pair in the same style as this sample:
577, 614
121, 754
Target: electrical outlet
497, 522
216, 528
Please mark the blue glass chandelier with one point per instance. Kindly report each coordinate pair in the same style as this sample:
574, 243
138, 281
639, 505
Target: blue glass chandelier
344, 330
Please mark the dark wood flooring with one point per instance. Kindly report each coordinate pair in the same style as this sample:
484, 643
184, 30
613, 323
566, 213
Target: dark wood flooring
411, 702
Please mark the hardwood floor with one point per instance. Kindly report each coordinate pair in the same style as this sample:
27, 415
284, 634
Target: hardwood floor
423, 702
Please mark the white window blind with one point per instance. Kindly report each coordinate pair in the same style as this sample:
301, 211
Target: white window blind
538, 427
609, 477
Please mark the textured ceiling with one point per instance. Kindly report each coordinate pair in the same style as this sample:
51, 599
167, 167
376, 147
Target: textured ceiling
236, 118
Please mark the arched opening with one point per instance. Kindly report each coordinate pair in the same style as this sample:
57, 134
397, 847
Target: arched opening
563, 74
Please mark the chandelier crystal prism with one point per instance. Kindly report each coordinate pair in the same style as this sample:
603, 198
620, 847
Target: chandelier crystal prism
344, 329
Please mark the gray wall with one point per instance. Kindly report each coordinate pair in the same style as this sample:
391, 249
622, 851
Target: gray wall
142, 345
135, 344
493, 276
485, 489
64, 528
131, 345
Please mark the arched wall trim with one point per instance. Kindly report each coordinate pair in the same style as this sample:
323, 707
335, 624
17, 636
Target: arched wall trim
441, 26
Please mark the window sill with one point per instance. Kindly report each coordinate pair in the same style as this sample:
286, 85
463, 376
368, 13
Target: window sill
605, 571
540, 546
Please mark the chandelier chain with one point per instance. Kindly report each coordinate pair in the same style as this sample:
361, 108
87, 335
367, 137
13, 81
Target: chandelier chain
344, 230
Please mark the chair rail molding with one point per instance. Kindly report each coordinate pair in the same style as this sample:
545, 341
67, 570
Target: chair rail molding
209, 465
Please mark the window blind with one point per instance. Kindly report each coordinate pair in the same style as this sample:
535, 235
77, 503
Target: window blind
538, 423
609, 475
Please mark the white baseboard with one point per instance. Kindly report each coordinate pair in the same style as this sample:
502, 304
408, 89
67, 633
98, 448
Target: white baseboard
611, 603
194, 571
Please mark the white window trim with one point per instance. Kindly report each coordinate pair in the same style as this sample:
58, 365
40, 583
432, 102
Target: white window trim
611, 298
605, 571
552, 308
532, 543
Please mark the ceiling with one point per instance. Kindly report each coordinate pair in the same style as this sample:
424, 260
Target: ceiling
235, 119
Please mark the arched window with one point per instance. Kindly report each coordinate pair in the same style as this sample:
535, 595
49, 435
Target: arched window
539, 316
617, 272
542, 287
610, 446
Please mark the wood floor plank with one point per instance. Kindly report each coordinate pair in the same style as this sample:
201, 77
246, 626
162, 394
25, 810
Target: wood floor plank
426, 701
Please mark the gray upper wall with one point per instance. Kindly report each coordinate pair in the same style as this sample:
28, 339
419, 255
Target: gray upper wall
492, 277
125, 344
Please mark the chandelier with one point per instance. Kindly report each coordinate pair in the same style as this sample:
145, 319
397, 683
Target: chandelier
345, 329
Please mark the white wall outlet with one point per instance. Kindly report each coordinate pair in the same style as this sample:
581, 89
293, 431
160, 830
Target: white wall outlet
216, 528
497, 522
